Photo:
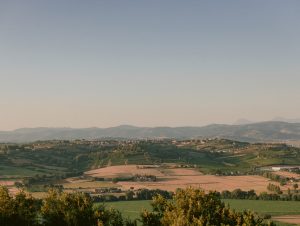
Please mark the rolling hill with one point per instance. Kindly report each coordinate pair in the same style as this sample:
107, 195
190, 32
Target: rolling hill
272, 131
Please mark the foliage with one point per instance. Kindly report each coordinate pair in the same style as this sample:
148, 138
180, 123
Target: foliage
19, 210
57, 209
278, 196
274, 177
192, 207
67, 209
111, 217
141, 194
274, 188
146, 194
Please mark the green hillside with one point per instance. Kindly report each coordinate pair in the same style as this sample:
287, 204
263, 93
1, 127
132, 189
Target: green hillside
65, 158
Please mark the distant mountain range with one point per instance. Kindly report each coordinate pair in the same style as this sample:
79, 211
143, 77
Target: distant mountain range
281, 119
273, 131
243, 121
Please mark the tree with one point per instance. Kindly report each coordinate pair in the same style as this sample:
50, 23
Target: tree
20, 210
6, 207
108, 217
26, 208
64, 209
295, 186
192, 207
18, 184
129, 195
274, 188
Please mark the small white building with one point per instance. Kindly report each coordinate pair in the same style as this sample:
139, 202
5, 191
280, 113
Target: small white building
278, 168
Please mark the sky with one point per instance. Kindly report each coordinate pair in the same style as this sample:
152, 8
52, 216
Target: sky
103, 63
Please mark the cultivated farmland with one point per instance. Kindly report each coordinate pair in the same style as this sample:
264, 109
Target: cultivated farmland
170, 178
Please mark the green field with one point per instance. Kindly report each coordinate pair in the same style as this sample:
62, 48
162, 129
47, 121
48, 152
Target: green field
274, 208
132, 209
15, 171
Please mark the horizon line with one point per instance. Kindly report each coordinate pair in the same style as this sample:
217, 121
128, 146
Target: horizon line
138, 126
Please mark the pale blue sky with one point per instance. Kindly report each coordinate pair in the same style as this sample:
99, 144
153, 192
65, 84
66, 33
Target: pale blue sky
147, 63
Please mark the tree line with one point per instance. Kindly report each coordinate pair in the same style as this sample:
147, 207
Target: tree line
141, 194
282, 180
146, 194
252, 195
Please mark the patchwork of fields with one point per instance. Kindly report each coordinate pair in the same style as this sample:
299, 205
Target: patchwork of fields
172, 178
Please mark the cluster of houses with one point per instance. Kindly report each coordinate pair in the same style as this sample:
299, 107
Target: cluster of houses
107, 190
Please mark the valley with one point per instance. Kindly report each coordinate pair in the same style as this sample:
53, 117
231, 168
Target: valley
114, 171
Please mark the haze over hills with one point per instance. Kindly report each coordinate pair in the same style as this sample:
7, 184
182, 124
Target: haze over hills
244, 121
289, 120
256, 132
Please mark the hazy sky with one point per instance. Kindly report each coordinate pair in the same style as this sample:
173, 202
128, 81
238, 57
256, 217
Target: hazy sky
147, 63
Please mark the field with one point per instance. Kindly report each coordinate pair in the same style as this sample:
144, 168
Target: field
10, 184
16, 171
6, 183
125, 171
170, 178
74, 182
290, 219
280, 210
